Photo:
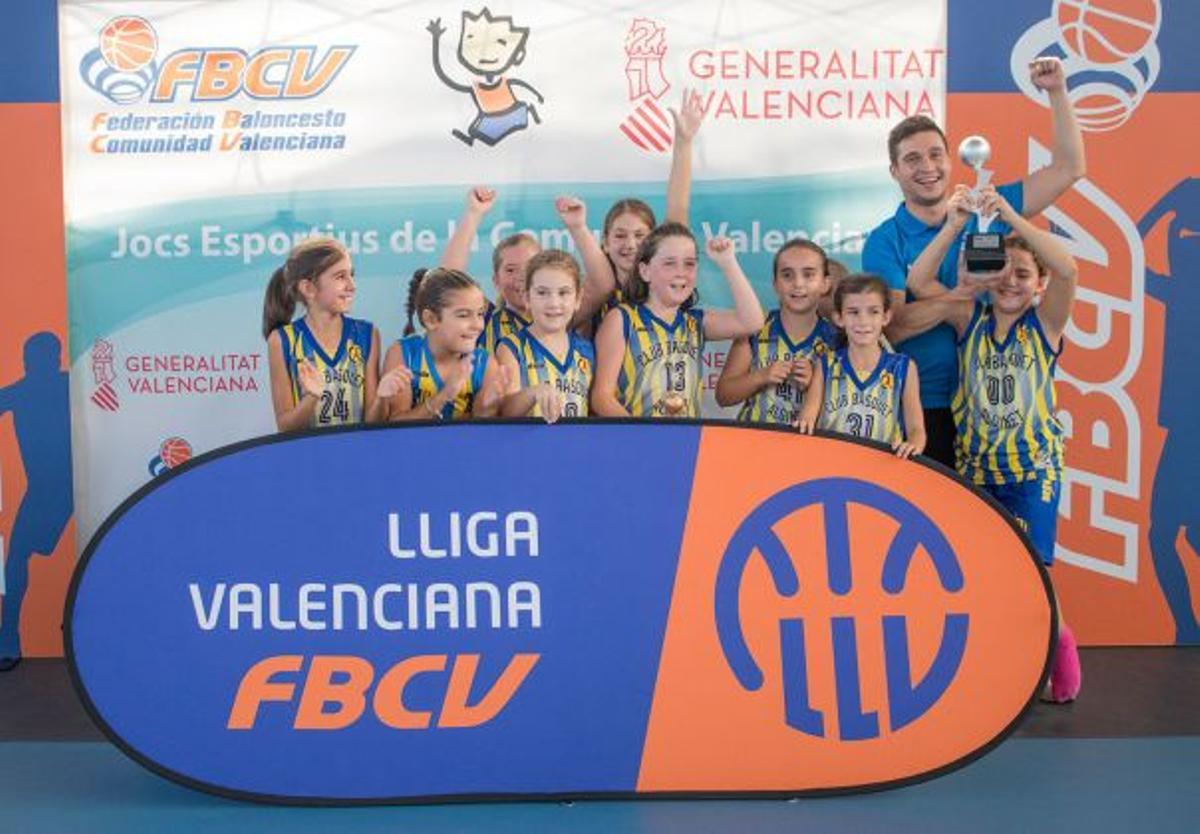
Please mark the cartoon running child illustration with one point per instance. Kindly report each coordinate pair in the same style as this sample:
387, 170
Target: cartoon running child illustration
489, 47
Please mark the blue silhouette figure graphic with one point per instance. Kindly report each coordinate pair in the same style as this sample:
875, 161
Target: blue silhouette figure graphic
1172, 506
40, 403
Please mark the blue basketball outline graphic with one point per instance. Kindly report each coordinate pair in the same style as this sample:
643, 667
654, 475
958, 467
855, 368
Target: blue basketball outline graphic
907, 702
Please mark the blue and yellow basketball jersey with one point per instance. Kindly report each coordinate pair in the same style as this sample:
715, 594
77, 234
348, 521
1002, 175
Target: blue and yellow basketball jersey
780, 403
1004, 408
870, 408
427, 381
615, 300
501, 324
572, 377
661, 366
345, 373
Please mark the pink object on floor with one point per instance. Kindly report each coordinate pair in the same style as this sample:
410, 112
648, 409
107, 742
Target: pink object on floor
1066, 676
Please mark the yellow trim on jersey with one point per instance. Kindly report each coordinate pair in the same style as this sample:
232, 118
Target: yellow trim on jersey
572, 377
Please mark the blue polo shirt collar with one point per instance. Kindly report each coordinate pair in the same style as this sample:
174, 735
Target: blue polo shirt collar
910, 224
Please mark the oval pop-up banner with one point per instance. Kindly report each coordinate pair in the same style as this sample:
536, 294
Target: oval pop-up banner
516, 610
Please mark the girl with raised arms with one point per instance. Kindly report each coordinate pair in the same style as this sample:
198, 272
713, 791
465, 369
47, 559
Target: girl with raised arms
769, 371
548, 367
325, 365
450, 377
1009, 439
862, 389
648, 349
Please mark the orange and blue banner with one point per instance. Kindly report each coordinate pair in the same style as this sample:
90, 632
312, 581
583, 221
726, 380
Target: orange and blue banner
744, 611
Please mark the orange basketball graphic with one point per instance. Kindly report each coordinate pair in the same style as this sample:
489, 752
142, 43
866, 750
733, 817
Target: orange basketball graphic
174, 451
128, 43
1108, 31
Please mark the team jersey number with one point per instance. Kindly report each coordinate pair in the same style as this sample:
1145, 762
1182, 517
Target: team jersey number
334, 409
1001, 389
676, 376
861, 425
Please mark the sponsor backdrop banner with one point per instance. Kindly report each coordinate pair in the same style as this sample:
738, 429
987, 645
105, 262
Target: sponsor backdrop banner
201, 140
764, 613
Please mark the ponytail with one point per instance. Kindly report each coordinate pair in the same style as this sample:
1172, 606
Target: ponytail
279, 305
307, 260
410, 306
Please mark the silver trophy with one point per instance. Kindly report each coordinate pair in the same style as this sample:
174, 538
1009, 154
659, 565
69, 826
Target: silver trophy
984, 250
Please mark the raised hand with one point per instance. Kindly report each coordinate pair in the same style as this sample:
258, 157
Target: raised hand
992, 202
960, 206
480, 199
435, 28
721, 250
689, 116
1047, 74
393, 381
573, 212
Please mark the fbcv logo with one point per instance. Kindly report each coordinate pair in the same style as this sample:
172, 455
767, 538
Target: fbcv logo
907, 699
123, 67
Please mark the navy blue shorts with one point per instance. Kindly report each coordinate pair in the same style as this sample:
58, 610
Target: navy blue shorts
1035, 506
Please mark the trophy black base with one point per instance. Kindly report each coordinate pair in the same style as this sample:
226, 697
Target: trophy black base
984, 252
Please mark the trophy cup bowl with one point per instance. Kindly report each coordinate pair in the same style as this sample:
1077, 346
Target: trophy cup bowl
983, 250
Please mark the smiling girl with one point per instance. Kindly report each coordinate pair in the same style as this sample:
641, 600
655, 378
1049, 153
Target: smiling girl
451, 378
548, 367
325, 365
648, 350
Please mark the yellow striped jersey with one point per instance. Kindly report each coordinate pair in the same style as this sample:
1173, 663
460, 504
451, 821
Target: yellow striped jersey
870, 408
781, 403
1004, 409
615, 300
502, 323
345, 373
427, 381
660, 373
572, 377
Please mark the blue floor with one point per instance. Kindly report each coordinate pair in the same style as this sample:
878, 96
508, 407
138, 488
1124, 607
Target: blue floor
1058, 785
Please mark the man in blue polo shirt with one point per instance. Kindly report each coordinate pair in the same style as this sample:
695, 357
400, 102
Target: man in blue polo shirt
920, 164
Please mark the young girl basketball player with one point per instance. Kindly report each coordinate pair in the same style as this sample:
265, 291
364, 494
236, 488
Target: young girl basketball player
325, 365
548, 367
1010, 441
769, 370
451, 378
862, 389
648, 349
